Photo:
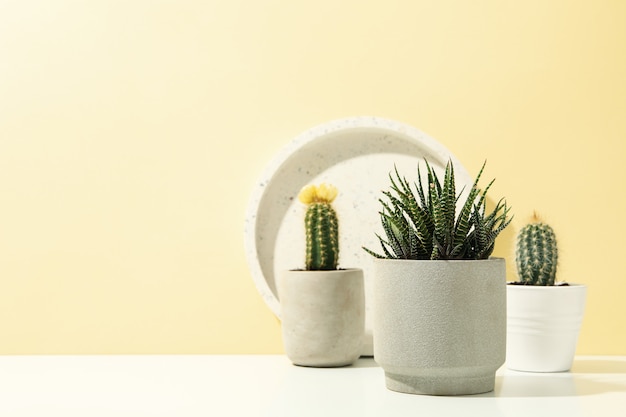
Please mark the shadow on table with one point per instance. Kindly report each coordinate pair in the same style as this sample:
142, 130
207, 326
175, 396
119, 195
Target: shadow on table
532, 386
599, 366
553, 385
365, 362
578, 382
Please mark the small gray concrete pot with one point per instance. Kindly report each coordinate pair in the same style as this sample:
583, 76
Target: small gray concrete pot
440, 326
323, 316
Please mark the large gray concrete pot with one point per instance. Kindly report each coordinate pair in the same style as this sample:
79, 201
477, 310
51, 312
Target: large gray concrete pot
439, 326
323, 316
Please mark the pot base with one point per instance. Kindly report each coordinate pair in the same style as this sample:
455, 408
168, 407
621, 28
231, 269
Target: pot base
322, 362
538, 370
440, 385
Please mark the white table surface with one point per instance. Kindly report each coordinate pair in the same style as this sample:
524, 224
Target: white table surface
268, 385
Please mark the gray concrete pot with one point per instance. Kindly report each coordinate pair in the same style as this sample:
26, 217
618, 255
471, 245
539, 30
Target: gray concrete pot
439, 326
323, 316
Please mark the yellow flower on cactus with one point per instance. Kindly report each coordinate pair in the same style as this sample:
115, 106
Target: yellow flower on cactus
324, 193
307, 194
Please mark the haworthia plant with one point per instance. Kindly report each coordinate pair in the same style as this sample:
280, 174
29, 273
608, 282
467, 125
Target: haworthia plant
321, 224
536, 254
423, 223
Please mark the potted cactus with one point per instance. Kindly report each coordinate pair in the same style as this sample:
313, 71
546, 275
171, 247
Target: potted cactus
543, 315
322, 306
439, 308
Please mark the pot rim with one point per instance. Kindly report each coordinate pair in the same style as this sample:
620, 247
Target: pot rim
490, 259
571, 285
326, 271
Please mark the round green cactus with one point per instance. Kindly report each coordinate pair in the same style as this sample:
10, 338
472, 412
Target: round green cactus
322, 237
536, 254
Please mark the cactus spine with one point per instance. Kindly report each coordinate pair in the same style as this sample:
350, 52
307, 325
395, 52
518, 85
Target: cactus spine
536, 255
322, 237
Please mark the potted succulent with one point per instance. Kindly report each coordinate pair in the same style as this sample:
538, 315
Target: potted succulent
322, 307
543, 315
439, 308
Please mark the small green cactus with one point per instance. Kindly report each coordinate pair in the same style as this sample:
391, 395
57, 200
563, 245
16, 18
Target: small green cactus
322, 237
536, 254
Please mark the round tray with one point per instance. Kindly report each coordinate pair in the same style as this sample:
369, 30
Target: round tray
356, 155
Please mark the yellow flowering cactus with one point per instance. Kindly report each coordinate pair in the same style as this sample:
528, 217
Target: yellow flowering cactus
321, 225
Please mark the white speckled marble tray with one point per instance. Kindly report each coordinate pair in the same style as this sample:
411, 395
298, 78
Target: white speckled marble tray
356, 155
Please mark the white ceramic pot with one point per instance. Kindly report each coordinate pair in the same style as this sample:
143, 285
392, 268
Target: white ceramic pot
440, 326
323, 316
543, 326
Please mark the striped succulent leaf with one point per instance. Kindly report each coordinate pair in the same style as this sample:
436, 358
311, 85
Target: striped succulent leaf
424, 224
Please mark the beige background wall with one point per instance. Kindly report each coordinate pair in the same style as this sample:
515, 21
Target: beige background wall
132, 132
